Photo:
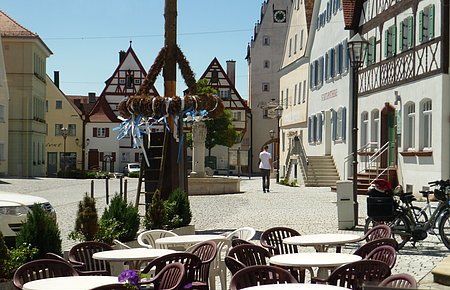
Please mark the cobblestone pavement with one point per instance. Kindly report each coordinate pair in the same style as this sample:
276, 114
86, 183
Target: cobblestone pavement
308, 210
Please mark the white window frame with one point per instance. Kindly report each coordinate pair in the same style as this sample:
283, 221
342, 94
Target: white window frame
2, 114
58, 104
364, 128
101, 132
426, 125
58, 128
410, 126
375, 126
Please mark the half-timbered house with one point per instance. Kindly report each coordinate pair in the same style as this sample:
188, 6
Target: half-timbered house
403, 88
105, 152
234, 160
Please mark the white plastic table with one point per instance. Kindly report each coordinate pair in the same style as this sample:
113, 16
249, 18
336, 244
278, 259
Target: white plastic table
185, 241
70, 283
296, 286
321, 242
324, 261
134, 257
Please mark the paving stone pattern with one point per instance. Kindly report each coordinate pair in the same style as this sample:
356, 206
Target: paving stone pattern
308, 210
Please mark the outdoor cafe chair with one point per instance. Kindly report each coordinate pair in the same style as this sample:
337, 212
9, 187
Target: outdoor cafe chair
401, 280
236, 242
120, 245
41, 269
207, 252
272, 240
76, 265
368, 247
250, 255
191, 263
82, 253
354, 275
244, 233
260, 275
380, 231
386, 254
233, 265
147, 238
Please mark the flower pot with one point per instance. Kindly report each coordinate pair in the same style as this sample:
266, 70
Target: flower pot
186, 230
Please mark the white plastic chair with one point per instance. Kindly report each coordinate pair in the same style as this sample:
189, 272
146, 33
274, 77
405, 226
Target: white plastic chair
244, 233
147, 239
120, 245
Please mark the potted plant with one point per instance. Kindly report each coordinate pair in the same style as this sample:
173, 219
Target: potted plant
86, 223
171, 214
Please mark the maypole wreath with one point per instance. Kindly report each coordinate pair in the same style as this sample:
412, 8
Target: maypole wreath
141, 112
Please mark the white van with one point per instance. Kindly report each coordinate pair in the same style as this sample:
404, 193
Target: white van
14, 208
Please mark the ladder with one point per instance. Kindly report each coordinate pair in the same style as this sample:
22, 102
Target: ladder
152, 176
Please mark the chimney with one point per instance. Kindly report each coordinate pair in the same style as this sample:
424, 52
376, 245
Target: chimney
56, 78
92, 98
121, 56
231, 71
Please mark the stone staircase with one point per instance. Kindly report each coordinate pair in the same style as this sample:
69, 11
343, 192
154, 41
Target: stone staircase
321, 171
364, 179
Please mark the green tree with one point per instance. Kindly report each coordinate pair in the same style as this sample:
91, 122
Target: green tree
220, 130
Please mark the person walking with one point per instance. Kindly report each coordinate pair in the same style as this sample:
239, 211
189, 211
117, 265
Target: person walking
265, 164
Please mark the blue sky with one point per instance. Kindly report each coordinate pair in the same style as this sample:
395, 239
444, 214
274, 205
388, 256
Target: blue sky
86, 36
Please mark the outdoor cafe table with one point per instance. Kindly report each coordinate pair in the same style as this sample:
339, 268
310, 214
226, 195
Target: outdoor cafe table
70, 283
134, 257
321, 242
324, 261
184, 241
295, 286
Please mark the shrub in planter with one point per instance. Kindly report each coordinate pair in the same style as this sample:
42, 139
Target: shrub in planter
41, 231
156, 216
125, 215
169, 214
10, 260
86, 224
4, 257
108, 230
133, 174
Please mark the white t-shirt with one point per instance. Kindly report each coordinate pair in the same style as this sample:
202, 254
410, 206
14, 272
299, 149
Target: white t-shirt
265, 158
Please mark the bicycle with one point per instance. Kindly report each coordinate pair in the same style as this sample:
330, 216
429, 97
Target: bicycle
409, 223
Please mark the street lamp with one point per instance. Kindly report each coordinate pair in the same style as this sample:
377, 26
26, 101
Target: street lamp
357, 49
64, 133
278, 113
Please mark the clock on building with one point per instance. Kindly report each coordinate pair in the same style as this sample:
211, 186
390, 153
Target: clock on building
279, 16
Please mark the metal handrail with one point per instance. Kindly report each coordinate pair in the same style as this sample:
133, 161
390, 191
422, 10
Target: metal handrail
303, 158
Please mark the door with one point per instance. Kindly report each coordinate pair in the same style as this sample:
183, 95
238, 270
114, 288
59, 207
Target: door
93, 159
388, 134
52, 164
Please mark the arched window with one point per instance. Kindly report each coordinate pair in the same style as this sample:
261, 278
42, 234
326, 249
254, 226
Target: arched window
364, 128
426, 125
375, 126
410, 126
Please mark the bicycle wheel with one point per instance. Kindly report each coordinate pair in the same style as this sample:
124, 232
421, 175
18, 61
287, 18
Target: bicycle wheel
421, 216
444, 229
401, 230
370, 223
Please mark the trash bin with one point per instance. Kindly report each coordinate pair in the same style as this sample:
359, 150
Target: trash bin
345, 207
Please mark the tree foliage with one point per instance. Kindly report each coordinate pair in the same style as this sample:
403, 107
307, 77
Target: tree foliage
220, 130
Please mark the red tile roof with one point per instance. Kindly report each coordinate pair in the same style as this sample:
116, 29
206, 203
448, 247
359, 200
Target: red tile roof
9, 27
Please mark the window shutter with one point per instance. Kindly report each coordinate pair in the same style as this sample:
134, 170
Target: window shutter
386, 42
431, 21
106, 132
94, 132
309, 130
344, 122
410, 31
327, 64
101, 156
332, 69
320, 121
421, 26
401, 36
374, 49
334, 123
321, 70
136, 156
314, 128
394, 39
345, 58
311, 76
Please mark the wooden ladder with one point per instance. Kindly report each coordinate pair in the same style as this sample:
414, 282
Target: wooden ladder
152, 176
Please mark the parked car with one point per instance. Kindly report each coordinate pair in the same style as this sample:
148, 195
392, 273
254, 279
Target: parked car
14, 208
131, 167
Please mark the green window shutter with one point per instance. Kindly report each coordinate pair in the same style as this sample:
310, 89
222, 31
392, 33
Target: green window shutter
401, 36
386, 42
421, 26
410, 31
394, 39
431, 21
373, 49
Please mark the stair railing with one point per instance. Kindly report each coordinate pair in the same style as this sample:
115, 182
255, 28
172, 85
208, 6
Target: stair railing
301, 152
366, 148
374, 162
